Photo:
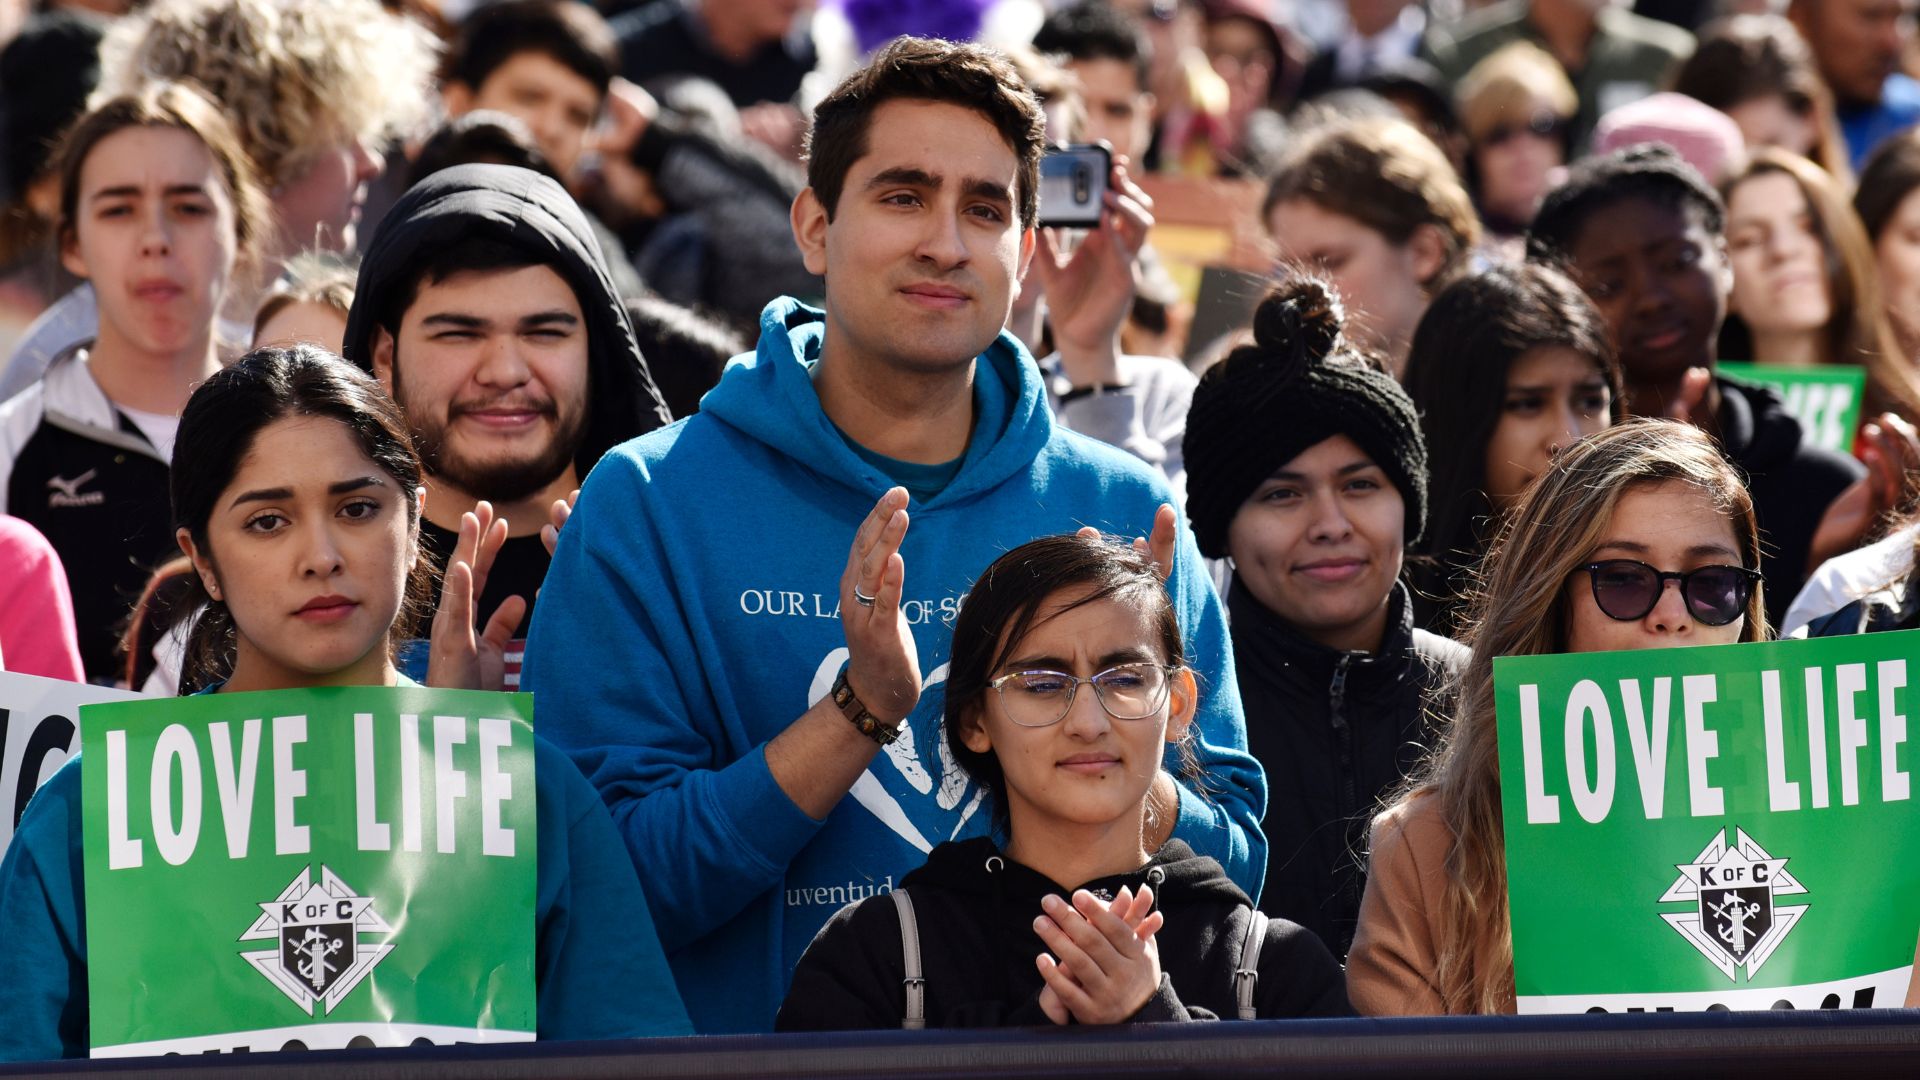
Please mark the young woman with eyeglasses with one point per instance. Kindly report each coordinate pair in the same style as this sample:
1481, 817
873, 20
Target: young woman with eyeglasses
1067, 683
1638, 537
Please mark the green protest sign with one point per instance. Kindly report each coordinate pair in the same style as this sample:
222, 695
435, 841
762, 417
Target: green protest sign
311, 869
1717, 827
1825, 398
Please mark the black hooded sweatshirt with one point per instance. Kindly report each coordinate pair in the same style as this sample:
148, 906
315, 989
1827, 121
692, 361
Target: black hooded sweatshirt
975, 910
1335, 731
1792, 482
524, 210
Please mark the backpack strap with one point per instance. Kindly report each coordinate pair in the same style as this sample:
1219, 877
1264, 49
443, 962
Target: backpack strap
1247, 976
916, 987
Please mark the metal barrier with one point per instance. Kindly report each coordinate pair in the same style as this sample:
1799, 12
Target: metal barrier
1864, 1043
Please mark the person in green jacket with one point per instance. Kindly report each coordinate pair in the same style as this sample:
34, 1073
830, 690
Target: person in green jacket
297, 492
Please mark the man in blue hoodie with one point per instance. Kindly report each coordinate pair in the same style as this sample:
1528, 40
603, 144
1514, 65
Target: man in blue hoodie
758, 703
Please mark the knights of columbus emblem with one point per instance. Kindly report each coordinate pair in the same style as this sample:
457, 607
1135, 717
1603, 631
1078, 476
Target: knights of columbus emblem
317, 956
1735, 921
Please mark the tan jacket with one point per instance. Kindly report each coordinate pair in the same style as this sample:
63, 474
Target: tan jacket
1390, 971
1913, 986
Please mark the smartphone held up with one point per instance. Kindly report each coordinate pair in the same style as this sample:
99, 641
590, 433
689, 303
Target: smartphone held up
1073, 185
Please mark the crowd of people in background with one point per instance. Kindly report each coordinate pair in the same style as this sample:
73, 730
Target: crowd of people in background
708, 369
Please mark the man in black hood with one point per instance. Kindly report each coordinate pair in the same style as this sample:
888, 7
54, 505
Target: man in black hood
485, 307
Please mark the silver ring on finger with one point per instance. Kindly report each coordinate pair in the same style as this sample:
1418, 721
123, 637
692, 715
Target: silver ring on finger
862, 598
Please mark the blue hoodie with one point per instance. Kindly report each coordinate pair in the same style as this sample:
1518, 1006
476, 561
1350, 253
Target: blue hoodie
691, 615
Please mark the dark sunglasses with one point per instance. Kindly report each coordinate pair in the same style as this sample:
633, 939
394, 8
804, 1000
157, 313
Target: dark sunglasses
1544, 124
1627, 589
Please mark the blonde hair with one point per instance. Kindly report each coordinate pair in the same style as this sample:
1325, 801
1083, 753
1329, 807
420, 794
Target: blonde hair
295, 76
311, 277
1505, 86
1387, 176
1519, 608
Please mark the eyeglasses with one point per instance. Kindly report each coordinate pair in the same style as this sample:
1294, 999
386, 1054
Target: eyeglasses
1542, 124
1627, 589
1041, 698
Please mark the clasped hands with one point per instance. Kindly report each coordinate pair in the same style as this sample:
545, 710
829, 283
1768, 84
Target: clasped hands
1105, 963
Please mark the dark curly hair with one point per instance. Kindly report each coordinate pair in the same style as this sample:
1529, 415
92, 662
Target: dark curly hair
1648, 171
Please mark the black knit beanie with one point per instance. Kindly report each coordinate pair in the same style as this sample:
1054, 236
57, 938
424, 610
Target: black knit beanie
1297, 385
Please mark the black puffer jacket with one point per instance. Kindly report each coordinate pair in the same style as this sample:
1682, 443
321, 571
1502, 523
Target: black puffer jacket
1335, 731
975, 912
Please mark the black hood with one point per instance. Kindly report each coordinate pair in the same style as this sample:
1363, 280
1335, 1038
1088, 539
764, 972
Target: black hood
526, 210
977, 867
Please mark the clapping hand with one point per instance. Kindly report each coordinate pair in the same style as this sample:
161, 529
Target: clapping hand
883, 667
1891, 452
461, 659
1158, 545
1105, 964
557, 516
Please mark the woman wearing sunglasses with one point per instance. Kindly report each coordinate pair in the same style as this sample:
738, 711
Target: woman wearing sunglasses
1639, 537
1066, 687
1517, 107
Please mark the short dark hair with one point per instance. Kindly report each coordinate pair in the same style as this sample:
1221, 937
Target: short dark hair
570, 32
46, 73
1892, 173
1744, 57
1649, 171
923, 69
1095, 31
484, 136
483, 254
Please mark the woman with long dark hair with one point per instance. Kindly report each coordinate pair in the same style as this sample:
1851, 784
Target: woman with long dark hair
1509, 366
297, 495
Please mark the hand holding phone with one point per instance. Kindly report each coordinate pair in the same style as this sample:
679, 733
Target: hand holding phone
1073, 186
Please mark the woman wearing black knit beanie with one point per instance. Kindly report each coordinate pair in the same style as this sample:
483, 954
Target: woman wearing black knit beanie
1306, 470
